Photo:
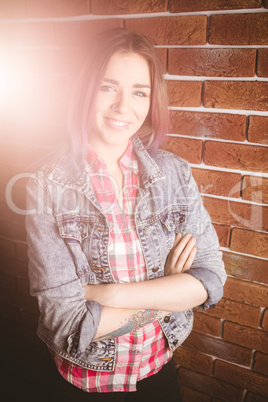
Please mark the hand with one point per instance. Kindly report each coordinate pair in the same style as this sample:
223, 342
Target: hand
181, 256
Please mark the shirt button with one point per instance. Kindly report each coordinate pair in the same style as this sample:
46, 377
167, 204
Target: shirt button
167, 319
147, 231
130, 245
155, 269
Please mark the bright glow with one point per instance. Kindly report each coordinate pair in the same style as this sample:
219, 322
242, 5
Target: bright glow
5, 83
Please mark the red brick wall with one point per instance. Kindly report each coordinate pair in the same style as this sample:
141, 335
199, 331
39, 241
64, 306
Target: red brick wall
215, 55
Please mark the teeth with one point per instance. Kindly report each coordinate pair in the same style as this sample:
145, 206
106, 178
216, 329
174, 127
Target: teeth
118, 123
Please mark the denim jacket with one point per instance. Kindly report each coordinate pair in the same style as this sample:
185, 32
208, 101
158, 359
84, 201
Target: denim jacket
68, 237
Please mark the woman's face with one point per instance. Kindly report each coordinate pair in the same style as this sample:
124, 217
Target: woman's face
123, 101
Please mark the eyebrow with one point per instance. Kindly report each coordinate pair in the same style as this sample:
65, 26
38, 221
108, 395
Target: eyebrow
115, 82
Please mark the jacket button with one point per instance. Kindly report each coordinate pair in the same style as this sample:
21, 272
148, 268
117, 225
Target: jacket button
167, 319
147, 231
155, 269
175, 342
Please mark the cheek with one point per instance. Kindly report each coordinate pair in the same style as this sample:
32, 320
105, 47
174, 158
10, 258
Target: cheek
102, 104
143, 111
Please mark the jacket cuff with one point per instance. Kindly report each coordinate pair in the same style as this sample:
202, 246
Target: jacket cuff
79, 342
211, 283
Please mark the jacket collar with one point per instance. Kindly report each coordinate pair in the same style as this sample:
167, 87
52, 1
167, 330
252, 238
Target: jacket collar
78, 179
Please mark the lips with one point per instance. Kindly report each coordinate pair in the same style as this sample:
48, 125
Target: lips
118, 124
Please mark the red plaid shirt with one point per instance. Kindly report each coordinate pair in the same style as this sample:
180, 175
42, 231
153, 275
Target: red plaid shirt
143, 352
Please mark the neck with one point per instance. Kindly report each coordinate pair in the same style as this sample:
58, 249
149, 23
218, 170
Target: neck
110, 155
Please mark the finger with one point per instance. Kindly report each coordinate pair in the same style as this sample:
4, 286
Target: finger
177, 240
178, 249
190, 260
184, 254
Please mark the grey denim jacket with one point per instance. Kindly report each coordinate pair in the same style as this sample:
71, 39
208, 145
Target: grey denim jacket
68, 237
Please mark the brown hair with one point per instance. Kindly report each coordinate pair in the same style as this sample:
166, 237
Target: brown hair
104, 46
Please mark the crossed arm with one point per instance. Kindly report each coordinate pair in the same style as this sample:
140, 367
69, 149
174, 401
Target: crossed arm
129, 306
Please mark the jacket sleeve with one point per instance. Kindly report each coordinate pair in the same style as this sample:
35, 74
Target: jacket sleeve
69, 322
208, 266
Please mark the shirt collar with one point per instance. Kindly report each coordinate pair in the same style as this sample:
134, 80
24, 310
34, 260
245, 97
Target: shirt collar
127, 161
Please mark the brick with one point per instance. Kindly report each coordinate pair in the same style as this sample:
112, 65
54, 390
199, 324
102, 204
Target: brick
29, 319
255, 189
239, 29
182, 30
23, 286
9, 312
208, 5
236, 156
193, 360
241, 377
7, 281
265, 3
246, 267
27, 34
13, 231
260, 364
108, 7
243, 95
246, 292
249, 242
187, 148
212, 62
5, 212
239, 313
21, 251
252, 338
190, 395
78, 33
15, 299
223, 233
258, 129
251, 397
265, 320
59, 8
13, 9
206, 324
13, 267
7, 248
184, 93
236, 213
262, 66
210, 386
209, 125
217, 182
218, 348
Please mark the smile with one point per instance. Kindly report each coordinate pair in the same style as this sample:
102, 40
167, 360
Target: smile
119, 124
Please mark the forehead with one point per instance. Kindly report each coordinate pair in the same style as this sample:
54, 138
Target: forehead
131, 65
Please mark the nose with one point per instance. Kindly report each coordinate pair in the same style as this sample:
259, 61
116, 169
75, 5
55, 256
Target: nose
122, 103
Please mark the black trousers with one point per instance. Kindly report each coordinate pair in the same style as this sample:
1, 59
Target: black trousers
161, 387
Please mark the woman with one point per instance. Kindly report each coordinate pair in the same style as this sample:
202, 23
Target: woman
120, 247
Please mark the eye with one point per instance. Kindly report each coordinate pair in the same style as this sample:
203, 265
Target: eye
140, 94
107, 88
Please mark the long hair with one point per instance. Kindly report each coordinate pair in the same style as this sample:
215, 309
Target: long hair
80, 117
